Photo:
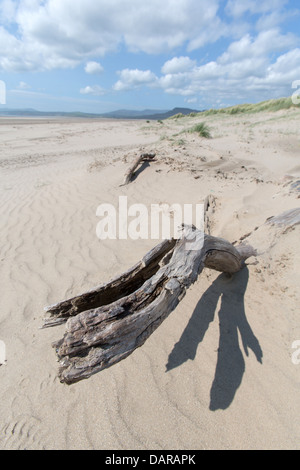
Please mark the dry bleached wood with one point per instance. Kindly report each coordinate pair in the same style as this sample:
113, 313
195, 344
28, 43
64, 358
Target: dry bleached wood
144, 157
109, 292
288, 218
107, 324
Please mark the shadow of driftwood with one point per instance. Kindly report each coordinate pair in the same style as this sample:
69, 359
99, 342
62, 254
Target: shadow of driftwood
140, 170
232, 320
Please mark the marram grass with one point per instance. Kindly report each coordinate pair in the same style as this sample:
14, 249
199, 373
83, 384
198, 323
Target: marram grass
247, 108
202, 129
269, 105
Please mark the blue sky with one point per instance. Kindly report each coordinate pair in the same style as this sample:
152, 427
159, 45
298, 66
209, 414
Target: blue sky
102, 55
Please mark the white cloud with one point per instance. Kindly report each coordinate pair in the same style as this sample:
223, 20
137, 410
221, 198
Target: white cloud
18, 55
266, 42
50, 34
130, 79
7, 11
54, 33
23, 86
252, 66
237, 8
157, 26
95, 90
246, 68
285, 70
177, 83
93, 68
178, 64
191, 100
63, 34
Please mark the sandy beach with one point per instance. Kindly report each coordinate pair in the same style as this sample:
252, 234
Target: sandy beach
221, 371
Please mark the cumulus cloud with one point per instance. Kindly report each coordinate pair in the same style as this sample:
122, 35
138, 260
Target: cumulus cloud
50, 34
237, 8
156, 27
285, 69
269, 41
7, 11
130, 79
93, 68
178, 64
95, 90
63, 34
256, 76
23, 86
54, 34
245, 68
191, 100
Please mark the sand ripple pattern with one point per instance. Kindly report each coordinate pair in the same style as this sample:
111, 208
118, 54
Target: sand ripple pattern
194, 384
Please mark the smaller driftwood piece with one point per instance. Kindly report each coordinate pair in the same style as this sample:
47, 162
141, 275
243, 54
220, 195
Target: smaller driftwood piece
144, 157
106, 324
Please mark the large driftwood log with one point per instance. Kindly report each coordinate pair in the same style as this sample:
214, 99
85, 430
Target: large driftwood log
144, 157
106, 324
113, 320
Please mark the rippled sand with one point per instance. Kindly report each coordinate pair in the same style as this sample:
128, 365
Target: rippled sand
218, 373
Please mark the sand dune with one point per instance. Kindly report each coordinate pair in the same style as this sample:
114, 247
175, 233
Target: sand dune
218, 373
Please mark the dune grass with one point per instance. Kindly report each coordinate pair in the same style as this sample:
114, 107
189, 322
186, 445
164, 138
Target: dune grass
247, 108
269, 105
177, 116
201, 129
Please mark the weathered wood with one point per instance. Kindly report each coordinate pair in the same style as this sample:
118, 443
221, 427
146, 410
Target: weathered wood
144, 157
105, 334
111, 291
109, 322
288, 218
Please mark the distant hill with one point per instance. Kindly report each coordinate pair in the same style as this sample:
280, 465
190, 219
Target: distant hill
131, 114
148, 113
269, 105
119, 114
168, 114
35, 113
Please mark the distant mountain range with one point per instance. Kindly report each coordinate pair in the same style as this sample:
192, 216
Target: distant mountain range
119, 114
148, 113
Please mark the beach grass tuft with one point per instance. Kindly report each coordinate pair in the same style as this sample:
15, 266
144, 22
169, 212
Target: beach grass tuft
202, 129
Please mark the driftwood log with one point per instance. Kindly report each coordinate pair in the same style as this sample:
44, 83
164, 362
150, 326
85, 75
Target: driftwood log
144, 157
106, 324
288, 218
